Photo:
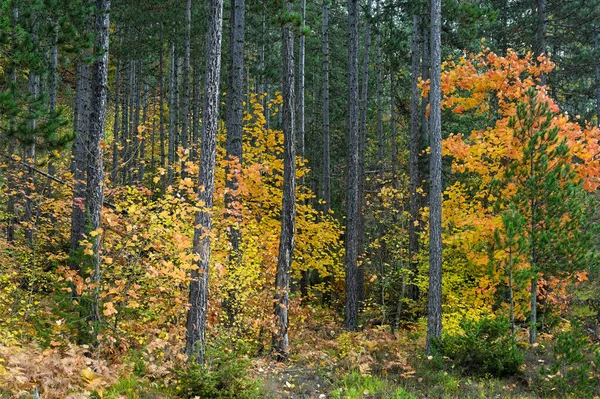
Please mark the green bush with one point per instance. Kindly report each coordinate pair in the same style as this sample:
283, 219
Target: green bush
487, 348
575, 368
225, 376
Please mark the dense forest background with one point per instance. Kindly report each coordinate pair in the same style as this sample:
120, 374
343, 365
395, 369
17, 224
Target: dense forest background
269, 198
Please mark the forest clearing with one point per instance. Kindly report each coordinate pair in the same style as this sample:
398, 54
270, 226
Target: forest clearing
299, 199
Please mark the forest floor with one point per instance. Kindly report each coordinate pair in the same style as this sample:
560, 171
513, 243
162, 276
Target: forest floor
326, 362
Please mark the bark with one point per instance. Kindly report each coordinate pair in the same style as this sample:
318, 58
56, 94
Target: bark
185, 109
161, 116
172, 116
115, 154
597, 57
29, 153
95, 169
133, 123
235, 116
434, 314
198, 298
326, 135
144, 108
196, 118
414, 149
352, 189
301, 82
79, 160
379, 93
540, 40
11, 178
393, 129
362, 141
288, 208
125, 127
425, 76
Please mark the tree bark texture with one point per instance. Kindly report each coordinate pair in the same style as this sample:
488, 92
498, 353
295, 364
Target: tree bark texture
326, 135
352, 201
434, 314
288, 208
198, 298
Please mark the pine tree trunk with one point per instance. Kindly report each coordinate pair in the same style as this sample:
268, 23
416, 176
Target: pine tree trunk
11, 178
597, 58
29, 153
326, 135
301, 81
434, 314
235, 115
115, 154
288, 209
197, 114
161, 116
125, 126
196, 319
379, 93
185, 109
95, 169
362, 142
352, 190
172, 116
414, 149
144, 108
540, 40
83, 93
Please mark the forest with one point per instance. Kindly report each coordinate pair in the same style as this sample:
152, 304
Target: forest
248, 199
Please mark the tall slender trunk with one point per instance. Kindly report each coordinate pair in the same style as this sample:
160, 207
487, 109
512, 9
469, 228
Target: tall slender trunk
379, 91
161, 116
53, 81
11, 178
115, 154
414, 149
235, 116
143, 133
185, 109
326, 137
95, 169
540, 39
172, 116
597, 58
434, 314
425, 64
393, 128
305, 279
352, 190
29, 153
301, 83
133, 122
124, 153
288, 206
362, 142
196, 319
196, 118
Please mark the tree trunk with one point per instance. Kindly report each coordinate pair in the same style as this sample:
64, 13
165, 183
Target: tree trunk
172, 116
540, 40
326, 138
115, 155
185, 109
288, 208
144, 109
597, 58
11, 177
235, 116
80, 161
434, 315
414, 149
352, 201
196, 319
379, 93
125, 131
95, 170
29, 153
197, 115
362, 142
161, 117
301, 83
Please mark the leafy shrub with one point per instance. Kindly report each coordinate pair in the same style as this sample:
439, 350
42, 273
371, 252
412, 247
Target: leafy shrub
576, 365
225, 376
485, 348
